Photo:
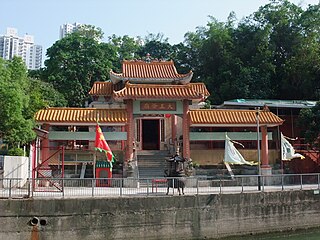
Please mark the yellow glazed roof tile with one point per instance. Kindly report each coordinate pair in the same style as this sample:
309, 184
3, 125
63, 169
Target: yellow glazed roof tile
149, 70
152, 91
233, 117
81, 115
102, 89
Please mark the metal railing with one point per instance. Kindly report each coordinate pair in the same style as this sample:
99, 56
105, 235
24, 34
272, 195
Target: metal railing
118, 187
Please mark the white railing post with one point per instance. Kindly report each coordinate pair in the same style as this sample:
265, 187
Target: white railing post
241, 184
63, 194
197, 186
121, 186
10, 184
92, 184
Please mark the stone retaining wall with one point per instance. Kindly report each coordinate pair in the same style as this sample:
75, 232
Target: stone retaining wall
161, 217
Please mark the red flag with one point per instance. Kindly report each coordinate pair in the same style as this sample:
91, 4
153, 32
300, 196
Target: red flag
102, 145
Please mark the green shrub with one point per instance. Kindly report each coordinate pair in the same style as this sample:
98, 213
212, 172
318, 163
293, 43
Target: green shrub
15, 152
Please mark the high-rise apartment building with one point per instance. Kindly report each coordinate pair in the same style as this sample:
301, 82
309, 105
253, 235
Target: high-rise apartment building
68, 28
12, 45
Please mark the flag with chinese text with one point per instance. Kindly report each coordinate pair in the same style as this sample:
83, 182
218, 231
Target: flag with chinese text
102, 145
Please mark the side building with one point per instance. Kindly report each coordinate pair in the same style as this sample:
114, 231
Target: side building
68, 28
289, 111
12, 45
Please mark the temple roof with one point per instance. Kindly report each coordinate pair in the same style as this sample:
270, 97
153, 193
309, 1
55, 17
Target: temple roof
154, 71
102, 89
198, 117
223, 117
156, 91
81, 115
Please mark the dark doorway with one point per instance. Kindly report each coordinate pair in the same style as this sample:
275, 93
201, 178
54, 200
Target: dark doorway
150, 134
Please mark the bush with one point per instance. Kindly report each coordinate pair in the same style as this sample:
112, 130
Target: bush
15, 152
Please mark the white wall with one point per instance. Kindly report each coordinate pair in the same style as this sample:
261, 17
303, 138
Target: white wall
15, 167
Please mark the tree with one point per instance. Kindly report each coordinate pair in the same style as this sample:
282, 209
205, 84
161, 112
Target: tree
289, 45
126, 48
309, 121
15, 121
75, 62
42, 95
157, 46
273, 53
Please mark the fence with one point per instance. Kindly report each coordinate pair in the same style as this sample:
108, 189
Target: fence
118, 187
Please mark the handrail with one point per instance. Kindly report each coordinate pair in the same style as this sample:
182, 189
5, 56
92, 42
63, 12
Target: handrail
118, 187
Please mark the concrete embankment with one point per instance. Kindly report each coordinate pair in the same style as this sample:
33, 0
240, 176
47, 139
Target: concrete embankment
164, 217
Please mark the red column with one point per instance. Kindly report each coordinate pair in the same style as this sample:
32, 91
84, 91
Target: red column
122, 141
45, 151
130, 132
185, 130
173, 127
264, 148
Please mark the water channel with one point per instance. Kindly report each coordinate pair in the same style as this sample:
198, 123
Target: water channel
307, 234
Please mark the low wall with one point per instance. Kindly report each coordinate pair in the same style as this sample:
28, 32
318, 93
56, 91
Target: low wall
162, 217
15, 167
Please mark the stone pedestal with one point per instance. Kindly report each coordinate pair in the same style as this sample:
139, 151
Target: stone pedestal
266, 170
130, 182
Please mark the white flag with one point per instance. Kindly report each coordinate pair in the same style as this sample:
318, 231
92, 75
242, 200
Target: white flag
287, 150
232, 155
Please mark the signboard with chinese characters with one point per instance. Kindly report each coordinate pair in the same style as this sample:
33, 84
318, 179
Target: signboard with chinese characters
158, 106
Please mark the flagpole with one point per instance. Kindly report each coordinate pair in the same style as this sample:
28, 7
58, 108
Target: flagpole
95, 153
94, 164
258, 146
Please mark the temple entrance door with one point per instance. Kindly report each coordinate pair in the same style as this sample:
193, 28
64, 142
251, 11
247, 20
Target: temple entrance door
150, 134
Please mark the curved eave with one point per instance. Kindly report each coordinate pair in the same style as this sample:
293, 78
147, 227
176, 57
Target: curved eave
136, 91
101, 89
115, 77
193, 98
180, 78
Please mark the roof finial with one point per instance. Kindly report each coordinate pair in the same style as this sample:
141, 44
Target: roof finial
148, 58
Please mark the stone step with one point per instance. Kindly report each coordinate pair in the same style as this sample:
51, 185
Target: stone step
152, 153
151, 163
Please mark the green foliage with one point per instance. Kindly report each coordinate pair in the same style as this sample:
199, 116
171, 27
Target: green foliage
126, 48
157, 46
15, 121
75, 62
273, 53
15, 152
309, 121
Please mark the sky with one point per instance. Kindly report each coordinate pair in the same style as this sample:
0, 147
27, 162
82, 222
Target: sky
173, 18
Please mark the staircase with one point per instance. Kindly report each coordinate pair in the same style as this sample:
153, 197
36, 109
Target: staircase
311, 163
151, 163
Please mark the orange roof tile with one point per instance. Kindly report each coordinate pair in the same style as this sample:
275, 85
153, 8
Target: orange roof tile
233, 117
81, 115
157, 91
155, 70
201, 88
102, 89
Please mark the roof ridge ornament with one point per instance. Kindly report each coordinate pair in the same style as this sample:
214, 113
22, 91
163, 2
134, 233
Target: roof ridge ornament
148, 58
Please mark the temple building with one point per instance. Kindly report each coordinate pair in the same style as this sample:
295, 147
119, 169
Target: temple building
148, 112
